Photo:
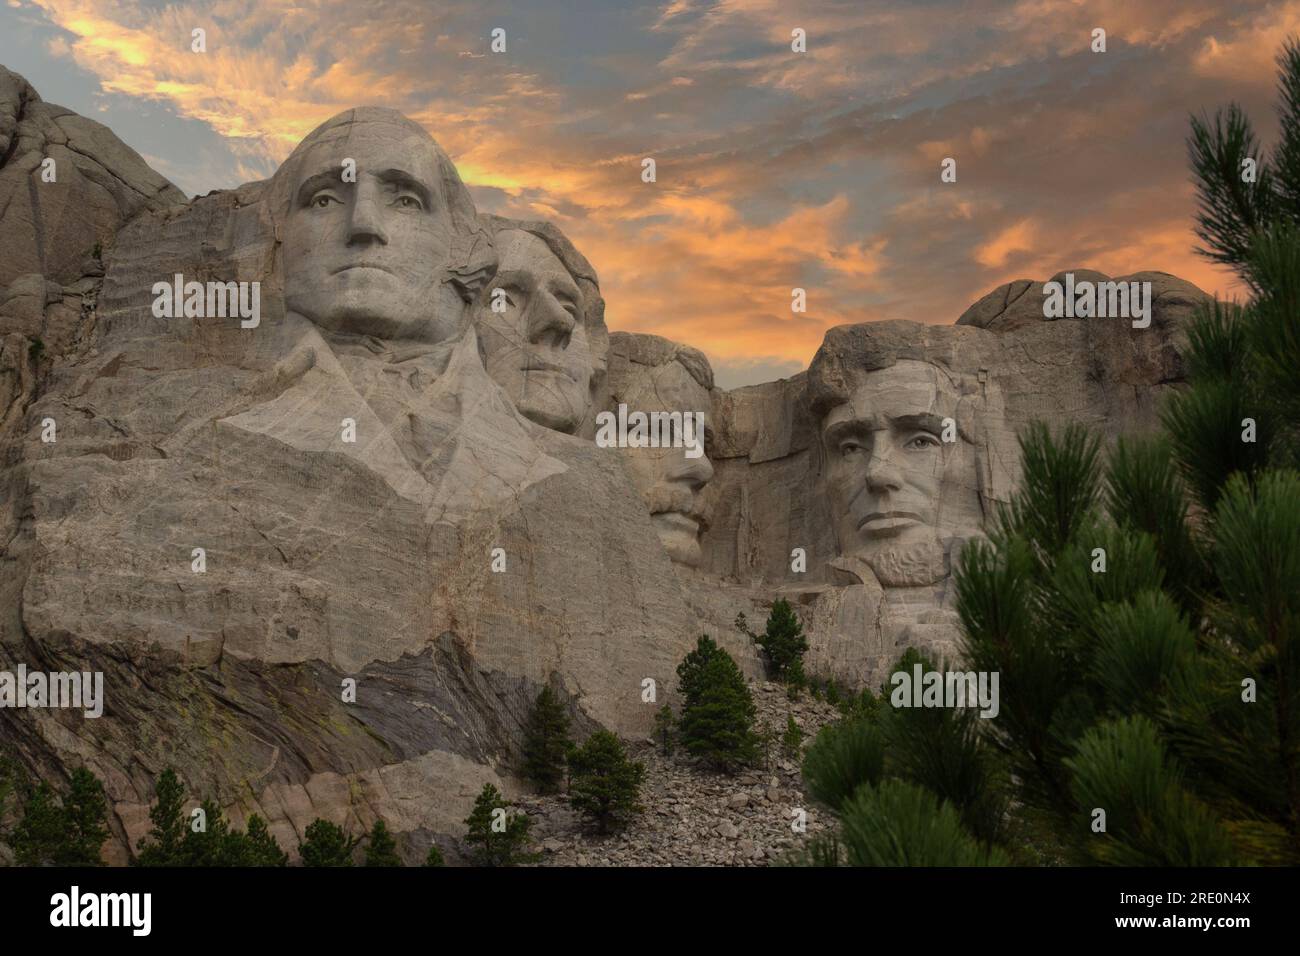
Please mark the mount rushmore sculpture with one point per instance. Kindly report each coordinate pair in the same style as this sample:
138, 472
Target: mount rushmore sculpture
391, 477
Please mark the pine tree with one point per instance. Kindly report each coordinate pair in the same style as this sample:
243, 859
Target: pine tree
496, 837
434, 857
12, 785
717, 723
606, 783
209, 841
262, 848
85, 812
896, 823
665, 728
783, 643
162, 846
792, 739
546, 742
39, 836
690, 680
327, 844
381, 850
1242, 192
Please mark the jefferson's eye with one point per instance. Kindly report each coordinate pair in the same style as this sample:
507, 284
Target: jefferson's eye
409, 202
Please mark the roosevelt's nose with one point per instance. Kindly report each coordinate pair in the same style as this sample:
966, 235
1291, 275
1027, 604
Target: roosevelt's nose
549, 322
366, 225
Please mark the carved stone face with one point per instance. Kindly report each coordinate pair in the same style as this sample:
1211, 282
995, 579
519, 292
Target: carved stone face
538, 348
668, 480
370, 257
896, 488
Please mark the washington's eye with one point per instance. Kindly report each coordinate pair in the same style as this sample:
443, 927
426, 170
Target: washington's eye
321, 200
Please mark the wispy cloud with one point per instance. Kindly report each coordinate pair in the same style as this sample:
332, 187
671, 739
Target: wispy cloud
776, 169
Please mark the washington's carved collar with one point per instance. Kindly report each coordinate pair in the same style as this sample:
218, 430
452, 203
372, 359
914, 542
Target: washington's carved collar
436, 353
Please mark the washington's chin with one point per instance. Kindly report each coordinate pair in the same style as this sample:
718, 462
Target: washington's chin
680, 536
359, 315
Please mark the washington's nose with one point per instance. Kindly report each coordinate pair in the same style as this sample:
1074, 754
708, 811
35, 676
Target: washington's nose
366, 223
549, 322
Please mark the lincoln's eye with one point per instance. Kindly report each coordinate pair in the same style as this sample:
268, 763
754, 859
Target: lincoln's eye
923, 441
850, 447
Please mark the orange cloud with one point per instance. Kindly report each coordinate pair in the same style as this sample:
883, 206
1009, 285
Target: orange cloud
1018, 237
742, 212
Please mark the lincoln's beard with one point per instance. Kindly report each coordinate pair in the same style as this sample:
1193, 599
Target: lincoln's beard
915, 564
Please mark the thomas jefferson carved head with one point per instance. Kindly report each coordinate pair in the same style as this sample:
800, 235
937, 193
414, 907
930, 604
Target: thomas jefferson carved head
379, 235
541, 324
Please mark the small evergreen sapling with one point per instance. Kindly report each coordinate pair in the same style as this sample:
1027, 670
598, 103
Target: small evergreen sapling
496, 837
606, 783
665, 728
162, 845
546, 742
717, 723
381, 848
327, 845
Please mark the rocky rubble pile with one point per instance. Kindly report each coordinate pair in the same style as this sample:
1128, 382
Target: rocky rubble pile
694, 817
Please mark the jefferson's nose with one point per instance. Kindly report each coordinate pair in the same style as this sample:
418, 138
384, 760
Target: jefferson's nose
366, 222
549, 322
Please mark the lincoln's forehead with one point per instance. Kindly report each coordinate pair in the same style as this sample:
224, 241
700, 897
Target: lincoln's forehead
904, 390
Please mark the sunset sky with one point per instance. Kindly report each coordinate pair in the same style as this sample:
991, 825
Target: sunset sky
775, 169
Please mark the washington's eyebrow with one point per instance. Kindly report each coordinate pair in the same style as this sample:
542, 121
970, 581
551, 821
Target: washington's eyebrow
322, 180
400, 177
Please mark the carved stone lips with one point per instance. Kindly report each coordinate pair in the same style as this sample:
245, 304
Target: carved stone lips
679, 520
361, 265
888, 520
540, 365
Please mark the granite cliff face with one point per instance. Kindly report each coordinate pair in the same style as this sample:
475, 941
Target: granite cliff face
391, 476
